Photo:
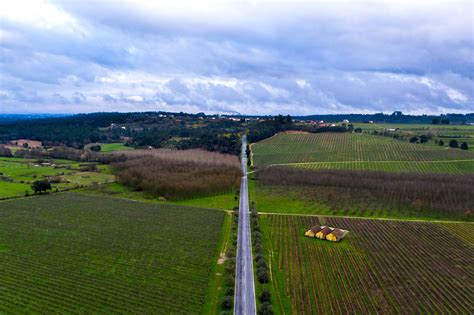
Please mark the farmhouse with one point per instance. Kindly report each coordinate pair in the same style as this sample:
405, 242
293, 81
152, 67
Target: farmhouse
324, 231
336, 235
313, 230
25, 143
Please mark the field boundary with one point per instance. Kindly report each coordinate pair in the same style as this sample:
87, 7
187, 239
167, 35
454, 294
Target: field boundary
359, 161
363, 218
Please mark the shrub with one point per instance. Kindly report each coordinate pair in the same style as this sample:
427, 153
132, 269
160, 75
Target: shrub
5, 152
464, 146
262, 275
265, 296
266, 309
227, 302
453, 143
423, 139
229, 291
229, 280
261, 263
95, 148
413, 139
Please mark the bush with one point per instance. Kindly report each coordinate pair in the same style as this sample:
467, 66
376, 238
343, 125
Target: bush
262, 264
265, 296
262, 275
229, 280
229, 291
464, 146
266, 309
88, 168
413, 139
95, 148
423, 139
453, 143
5, 152
230, 253
227, 302
441, 143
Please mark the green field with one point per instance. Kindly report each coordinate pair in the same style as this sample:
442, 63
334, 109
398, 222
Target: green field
17, 174
359, 151
381, 267
111, 147
462, 133
221, 201
73, 253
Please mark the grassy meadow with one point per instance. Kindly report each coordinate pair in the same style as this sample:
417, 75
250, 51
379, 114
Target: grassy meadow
112, 147
74, 253
380, 267
17, 175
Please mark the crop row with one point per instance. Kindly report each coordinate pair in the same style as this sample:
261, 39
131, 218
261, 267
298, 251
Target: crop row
336, 147
381, 267
73, 253
456, 167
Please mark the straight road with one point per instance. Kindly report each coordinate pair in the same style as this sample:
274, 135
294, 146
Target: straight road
244, 300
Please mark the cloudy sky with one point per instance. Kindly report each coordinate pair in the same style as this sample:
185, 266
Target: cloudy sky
252, 57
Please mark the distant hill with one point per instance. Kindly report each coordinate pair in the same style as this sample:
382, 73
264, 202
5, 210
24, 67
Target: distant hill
7, 118
395, 118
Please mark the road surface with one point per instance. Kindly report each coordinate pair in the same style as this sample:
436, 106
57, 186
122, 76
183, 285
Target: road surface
244, 301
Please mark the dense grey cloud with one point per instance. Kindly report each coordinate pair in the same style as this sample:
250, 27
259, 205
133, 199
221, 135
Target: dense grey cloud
254, 57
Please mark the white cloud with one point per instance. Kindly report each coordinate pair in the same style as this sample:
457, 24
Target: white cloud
246, 56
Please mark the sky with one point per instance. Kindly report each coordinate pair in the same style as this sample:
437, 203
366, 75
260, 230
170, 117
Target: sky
248, 57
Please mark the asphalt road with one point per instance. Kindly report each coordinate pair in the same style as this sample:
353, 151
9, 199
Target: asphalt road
244, 300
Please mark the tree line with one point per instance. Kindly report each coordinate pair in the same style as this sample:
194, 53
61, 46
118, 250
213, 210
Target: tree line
436, 195
175, 175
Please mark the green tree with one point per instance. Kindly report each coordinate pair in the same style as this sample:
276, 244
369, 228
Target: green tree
41, 186
441, 143
96, 148
453, 143
464, 146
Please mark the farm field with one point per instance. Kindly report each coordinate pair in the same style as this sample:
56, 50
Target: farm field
17, 174
78, 253
365, 193
462, 133
112, 147
224, 201
358, 151
380, 267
